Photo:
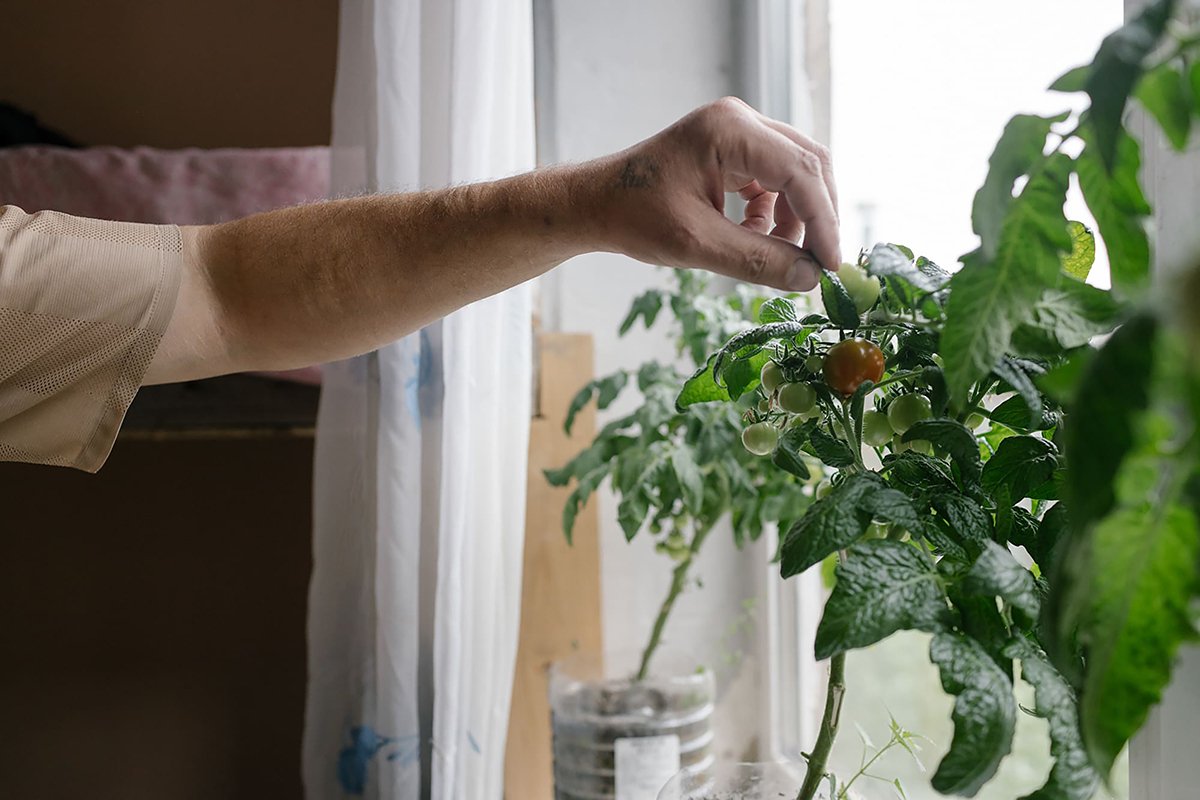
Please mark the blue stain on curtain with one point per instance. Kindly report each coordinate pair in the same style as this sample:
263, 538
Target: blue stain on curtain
354, 762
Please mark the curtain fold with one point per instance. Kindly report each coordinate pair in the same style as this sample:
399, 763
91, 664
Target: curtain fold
422, 446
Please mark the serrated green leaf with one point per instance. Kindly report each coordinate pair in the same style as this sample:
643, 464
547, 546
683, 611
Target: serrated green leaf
1013, 372
856, 408
1020, 464
691, 482
1073, 80
832, 450
1071, 777
777, 309
578, 499
1115, 72
1019, 148
882, 587
984, 714
1014, 413
701, 387
1015, 524
741, 375
830, 524
787, 453
1066, 317
839, 306
956, 439
1078, 262
988, 299
997, 574
632, 511
889, 261
604, 389
1116, 201
748, 343
1112, 392
646, 306
891, 506
1050, 530
965, 519
1165, 92
920, 474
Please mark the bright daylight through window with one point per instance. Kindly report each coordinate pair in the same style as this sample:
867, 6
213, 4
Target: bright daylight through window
920, 93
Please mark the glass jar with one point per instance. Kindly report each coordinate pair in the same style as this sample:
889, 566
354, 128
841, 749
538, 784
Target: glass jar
771, 781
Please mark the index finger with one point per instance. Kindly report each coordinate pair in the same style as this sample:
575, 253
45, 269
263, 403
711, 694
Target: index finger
782, 165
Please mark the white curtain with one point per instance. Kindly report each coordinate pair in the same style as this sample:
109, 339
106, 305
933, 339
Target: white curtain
420, 471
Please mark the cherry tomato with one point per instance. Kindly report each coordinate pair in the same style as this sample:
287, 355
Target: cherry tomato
814, 363
862, 288
771, 376
823, 489
764, 406
916, 445
760, 438
907, 410
877, 431
797, 398
851, 362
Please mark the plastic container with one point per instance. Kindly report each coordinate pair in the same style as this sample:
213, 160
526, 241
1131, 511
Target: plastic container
739, 782
620, 739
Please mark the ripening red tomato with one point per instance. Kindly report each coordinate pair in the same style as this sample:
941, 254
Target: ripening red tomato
849, 363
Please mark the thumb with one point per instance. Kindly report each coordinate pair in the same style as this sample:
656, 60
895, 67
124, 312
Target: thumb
731, 249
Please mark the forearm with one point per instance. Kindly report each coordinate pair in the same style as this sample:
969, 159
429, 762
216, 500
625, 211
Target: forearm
315, 283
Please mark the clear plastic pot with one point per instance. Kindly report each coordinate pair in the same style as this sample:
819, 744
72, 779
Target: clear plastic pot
616, 738
739, 782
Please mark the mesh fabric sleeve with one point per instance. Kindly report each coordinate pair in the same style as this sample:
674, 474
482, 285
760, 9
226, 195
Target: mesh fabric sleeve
83, 306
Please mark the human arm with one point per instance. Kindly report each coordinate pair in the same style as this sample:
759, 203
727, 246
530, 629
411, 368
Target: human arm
324, 281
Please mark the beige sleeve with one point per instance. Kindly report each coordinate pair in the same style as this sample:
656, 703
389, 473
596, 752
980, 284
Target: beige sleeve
83, 306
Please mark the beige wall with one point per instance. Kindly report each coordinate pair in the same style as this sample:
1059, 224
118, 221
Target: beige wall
173, 73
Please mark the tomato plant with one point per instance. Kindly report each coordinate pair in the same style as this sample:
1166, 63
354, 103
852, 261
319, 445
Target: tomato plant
968, 418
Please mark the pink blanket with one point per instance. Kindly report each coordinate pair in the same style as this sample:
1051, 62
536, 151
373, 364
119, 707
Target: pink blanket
182, 187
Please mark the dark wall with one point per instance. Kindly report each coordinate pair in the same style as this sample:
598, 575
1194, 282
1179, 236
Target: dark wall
173, 73
152, 616
152, 623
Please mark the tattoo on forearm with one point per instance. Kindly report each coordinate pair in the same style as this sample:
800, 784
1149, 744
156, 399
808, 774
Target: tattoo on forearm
639, 172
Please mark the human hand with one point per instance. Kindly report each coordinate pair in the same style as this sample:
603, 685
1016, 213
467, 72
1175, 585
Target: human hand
662, 201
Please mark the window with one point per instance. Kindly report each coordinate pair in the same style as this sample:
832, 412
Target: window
920, 92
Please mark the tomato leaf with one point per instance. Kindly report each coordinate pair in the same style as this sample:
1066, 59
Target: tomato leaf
1078, 263
1020, 146
990, 297
1020, 464
604, 389
891, 506
968, 522
997, 574
890, 262
748, 343
917, 473
578, 499
1013, 373
1165, 93
777, 309
1116, 70
838, 303
1071, 777
1113, 390
832, 451
646, 306
1115, 198
787, 453
1014, 413
701, 387
856, 407
956, 439
830, 524
691, 482
984, 713
882, 587
742, 374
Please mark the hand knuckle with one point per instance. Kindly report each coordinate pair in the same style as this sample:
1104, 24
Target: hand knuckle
808, 162
824, 155
758, 263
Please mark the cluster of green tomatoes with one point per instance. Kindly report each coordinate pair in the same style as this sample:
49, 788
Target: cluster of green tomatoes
787, 396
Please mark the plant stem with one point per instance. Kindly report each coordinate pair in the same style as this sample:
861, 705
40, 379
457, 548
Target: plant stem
678, 581
834, 693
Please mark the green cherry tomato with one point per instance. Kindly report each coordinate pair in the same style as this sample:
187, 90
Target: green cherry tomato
764, 406
876, 530
814, 363
823, 489
907, 410
760, 438
851, 362
771, 376
877, 431
862, 288
797, 398
916, 445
